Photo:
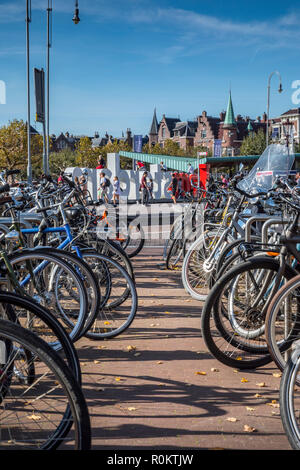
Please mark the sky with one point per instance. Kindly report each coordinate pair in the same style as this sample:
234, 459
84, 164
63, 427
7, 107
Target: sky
127, 57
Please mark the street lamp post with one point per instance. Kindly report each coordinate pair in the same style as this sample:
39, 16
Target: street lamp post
76, 20
268, 101
28, 21
49, 45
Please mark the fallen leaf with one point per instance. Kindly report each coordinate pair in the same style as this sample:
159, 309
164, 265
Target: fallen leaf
213, 369
261, 384
249, 428
257, 395
232, 420
96, 362
107, 323
131, 408
248, 408
155, 279
159, 362
131, 348
118, 379
274, 404
243, 380
34, 417
167, 312
137, 354
200, 373
277, 374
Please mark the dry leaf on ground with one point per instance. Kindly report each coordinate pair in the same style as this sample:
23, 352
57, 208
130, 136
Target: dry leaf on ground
249, 428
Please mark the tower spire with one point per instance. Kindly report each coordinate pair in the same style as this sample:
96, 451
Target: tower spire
154, 125
229, 118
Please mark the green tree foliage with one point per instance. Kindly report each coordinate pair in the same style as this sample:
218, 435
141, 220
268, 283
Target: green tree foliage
254, 143
86, 156
13, 147
59, 161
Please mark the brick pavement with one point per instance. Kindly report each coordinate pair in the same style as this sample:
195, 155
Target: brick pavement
146, 389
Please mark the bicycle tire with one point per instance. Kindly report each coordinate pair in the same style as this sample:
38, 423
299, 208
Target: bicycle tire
114, 316
53, 380
74, 325
283, 328
222, 337
289, 400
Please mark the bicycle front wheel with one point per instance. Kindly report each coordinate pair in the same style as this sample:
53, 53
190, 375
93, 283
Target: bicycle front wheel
39, 412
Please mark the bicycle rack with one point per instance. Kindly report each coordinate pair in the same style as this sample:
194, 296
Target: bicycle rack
250, 222
267, 225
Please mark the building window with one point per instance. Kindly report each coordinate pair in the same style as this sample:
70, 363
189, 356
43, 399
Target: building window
203, 133
163, 132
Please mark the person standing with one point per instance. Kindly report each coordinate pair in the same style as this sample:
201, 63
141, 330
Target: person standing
150, 188
174, 187
163, 167
101, 163
190, 169
104, 185
144, 188
116, 190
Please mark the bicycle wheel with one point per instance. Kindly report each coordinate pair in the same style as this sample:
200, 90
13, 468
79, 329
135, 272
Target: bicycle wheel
135, 240
86, 275
119, 297
233, 316
289, 399
39, 414
174, 254
28, 314
196, 277
283, 321
54, 283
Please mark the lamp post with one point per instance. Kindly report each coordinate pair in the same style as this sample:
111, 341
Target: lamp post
28, 21
76, 20
49, 45
268, 101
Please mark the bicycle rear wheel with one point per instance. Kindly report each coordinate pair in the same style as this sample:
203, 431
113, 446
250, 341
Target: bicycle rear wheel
119, 297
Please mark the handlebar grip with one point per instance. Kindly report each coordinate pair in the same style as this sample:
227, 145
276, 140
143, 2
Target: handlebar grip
4, 188
70, 182
12, 172
42, 209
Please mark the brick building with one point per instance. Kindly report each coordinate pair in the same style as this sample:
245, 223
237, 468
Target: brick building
203, 131
280, 126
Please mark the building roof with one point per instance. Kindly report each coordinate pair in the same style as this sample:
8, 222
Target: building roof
291, 111
229, 118
154, 125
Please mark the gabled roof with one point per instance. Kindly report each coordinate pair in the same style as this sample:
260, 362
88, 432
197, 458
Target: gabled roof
291, 111
171, 122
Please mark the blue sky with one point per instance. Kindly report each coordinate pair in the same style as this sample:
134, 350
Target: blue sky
126, 57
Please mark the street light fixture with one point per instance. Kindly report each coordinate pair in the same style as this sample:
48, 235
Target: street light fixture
76, 18
280, 89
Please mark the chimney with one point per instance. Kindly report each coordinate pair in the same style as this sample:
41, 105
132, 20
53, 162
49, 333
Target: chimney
96, 135
204, 113
222, 116
264, 117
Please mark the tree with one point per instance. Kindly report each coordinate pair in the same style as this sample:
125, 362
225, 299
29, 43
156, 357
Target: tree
254, 143
13, 146
86, 155
58, 161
